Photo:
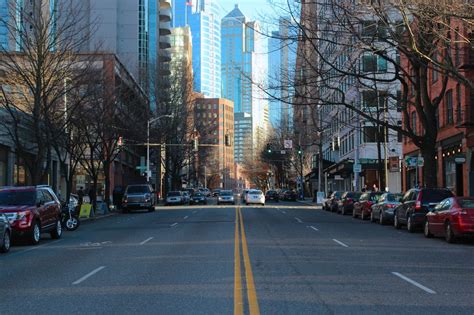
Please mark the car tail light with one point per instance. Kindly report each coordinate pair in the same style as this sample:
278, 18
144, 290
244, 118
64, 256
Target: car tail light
418, 205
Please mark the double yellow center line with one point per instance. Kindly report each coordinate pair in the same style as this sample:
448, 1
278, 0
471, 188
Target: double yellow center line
249, 282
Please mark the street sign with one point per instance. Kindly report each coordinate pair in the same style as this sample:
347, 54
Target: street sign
420, 161
141, 167
393, 164
357, 168
288, 144
460, 160
413, 161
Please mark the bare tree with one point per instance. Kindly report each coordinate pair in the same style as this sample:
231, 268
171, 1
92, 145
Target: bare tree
350, 52
36, 64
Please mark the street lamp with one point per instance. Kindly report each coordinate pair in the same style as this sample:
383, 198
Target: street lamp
148, 143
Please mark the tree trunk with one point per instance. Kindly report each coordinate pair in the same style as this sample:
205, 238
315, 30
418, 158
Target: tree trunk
428, 152
107, 183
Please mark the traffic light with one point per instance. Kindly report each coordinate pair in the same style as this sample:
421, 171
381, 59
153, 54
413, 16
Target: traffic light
269, 148
300, 152
196, 144
227, 140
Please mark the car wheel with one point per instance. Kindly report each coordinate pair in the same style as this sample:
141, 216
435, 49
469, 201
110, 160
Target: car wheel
35, 233
426, 230
381, 219
396, 223
410, 225
6, 242
58, 230
449, 236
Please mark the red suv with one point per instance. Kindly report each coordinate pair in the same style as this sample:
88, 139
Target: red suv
363, 207
31, 211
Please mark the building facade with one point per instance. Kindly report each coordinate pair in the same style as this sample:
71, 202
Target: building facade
214, 121
455, 119
244, 67
203, 18
282, 46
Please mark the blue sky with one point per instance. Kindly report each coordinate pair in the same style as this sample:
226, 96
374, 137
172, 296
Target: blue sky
260, 10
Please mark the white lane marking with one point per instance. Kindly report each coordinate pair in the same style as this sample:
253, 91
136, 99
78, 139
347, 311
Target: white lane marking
416, 284
186, 217
90, 274
146, 241
340, 243
283, 211
36, 247
312, 227
298, 219
174, 224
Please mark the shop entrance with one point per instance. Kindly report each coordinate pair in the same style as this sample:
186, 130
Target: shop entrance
459, 180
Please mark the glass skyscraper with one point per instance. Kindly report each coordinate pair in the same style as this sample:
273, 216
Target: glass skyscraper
203, 18
244, 66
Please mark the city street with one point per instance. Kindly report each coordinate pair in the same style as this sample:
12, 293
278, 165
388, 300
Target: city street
283, 258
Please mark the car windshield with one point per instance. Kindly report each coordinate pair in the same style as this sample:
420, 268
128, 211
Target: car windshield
174, 194
466, 203
394, 197
435, 195
137, 190
17, 198
256, 192
226, 193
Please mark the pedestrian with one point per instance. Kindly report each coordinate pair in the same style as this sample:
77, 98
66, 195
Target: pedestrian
80, 196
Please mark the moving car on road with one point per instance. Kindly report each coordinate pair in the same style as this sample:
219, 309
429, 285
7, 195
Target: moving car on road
363, 207
415, 204
255, 196
382, 211
346, 203
226, 196
5, 234
272, 195
197, 198
290, 195
31, 211
452, 218
174, 198
139, 196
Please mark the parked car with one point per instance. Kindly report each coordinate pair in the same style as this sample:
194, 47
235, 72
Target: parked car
31, 210
186, 196
382, 211
174, 198
346, 203
139, 196
255, 196
5, 234
226, 196
363, 207
452, 218
205, 191
415, 204
272, 195
197, 198
331, 203
290, 195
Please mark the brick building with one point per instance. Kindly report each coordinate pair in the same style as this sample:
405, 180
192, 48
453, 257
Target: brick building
214, 121
455, 141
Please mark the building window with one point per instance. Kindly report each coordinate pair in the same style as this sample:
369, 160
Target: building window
434, 69
369, 63
458, 104
450, 173
457, 56
449, 107
413, 122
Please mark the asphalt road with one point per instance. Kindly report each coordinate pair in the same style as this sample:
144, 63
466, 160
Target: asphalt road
284, 258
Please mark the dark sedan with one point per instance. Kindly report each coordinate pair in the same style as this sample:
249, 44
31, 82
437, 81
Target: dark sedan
382, 211
290, 195
198, 198
346, 203
272, 195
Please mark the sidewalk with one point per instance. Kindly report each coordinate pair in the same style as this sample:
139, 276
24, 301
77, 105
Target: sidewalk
309, 202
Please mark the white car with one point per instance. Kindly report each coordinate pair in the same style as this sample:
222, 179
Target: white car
255, 196
226, 196
174, 198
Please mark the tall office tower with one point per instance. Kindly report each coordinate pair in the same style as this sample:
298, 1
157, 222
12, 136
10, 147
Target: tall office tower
282, 47
243, 68
203, 18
